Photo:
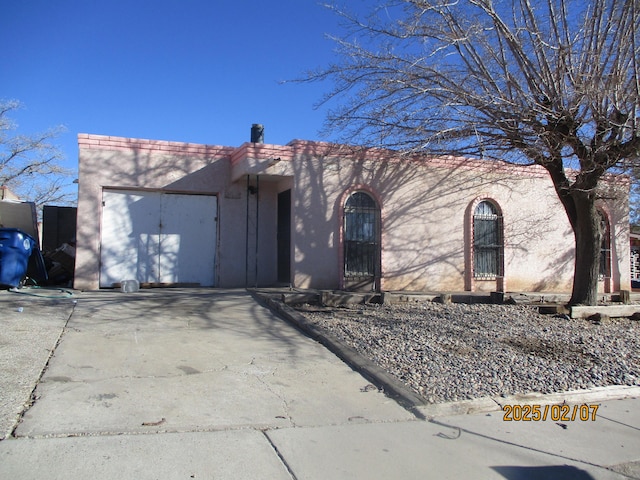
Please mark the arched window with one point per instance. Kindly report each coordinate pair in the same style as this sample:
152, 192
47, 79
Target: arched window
487, 241
361, 241
605, 246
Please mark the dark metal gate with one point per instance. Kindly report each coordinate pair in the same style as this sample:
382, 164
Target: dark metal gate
487, 241
361, 242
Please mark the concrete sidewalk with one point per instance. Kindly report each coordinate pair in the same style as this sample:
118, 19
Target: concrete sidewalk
30, 327
197, 383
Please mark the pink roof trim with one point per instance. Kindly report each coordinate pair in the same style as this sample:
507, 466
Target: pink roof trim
297, 148
104, 142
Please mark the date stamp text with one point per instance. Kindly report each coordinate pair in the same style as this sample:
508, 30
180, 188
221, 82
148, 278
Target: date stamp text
556, 413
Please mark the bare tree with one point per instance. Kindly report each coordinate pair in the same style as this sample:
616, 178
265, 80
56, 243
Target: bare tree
30, 165
548, 82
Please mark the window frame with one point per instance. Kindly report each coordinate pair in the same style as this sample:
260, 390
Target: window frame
488, 253
604, 270
365, 239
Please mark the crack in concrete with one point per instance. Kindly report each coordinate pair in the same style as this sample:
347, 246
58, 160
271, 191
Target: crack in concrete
33, 397
282, 398
280, 456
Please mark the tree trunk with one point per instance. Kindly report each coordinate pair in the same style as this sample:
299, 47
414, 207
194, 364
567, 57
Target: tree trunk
588, 235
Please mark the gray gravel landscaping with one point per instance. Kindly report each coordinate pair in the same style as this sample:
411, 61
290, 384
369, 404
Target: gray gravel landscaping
450, 352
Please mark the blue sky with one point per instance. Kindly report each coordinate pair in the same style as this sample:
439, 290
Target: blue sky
197, 71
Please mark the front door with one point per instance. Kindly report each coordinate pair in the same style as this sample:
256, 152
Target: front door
284, 237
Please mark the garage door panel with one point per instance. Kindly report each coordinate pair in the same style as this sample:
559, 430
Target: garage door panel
158, 237
148, 260
188, 238
129, 224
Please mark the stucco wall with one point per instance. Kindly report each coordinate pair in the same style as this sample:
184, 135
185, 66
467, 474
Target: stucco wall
426, 210
165, 166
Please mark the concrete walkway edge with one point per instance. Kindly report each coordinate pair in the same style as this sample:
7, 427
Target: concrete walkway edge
372, 372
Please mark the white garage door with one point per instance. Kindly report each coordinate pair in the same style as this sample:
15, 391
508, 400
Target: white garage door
156, 237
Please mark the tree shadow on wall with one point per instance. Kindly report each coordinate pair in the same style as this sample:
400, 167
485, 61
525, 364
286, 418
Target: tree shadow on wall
424, 206
149, 170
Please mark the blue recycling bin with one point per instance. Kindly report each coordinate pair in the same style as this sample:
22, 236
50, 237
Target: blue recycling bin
16, 248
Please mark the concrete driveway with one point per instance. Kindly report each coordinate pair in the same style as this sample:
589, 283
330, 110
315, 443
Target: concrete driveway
181, 384
176, 361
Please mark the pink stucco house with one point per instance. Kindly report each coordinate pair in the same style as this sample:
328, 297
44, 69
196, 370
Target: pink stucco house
324, 216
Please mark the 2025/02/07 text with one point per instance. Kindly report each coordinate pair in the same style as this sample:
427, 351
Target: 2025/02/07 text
556, 413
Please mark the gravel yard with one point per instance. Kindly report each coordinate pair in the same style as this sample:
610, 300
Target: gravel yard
449, 352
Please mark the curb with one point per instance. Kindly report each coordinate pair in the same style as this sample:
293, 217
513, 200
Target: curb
493, 404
